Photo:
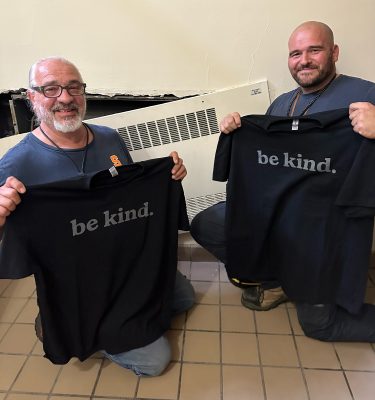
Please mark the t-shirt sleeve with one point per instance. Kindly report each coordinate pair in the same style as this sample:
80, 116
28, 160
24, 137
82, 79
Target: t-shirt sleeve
357, 194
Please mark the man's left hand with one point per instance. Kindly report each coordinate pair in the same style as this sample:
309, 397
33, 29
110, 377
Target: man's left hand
362, 115
178, 171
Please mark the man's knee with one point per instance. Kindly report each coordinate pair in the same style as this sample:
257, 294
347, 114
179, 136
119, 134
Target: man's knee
156, 363
197, 226
150, 360
317, 321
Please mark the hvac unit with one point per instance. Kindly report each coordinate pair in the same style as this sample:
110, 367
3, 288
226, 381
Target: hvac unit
189, 126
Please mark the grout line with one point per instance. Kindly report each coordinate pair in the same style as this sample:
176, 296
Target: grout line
259, 357
221, 342
302, 369
97, 377
181, 360
343, 370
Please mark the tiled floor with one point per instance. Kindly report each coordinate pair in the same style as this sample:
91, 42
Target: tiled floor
221, 351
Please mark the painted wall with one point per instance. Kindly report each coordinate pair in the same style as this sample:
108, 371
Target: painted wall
182, 46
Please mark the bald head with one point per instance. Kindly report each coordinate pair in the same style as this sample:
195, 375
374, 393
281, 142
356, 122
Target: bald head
44, 63
312, 56
316, 28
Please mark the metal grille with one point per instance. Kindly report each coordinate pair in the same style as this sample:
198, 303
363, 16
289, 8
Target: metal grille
196, 204
170, 130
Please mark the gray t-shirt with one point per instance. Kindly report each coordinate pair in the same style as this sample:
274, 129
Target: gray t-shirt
343, 91
34, 162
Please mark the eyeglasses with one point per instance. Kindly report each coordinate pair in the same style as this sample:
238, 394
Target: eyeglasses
74, 89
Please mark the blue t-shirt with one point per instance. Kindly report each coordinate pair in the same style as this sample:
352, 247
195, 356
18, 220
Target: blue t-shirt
343, 91
34, 162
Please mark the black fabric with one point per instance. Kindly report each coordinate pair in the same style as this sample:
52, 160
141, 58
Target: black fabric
300, 205
103, 251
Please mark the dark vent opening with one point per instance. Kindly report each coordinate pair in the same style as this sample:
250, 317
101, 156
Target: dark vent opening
17, 117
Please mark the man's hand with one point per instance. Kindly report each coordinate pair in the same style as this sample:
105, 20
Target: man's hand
362, 115
10, 197
178, 171
230, 123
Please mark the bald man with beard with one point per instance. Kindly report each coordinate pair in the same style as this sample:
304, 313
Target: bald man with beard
312, 61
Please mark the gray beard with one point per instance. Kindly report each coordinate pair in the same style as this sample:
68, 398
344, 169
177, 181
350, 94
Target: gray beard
69, 124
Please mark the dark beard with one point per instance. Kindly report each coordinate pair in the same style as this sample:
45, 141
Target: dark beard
314, 82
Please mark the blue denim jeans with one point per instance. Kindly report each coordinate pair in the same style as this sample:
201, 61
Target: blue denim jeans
152, 359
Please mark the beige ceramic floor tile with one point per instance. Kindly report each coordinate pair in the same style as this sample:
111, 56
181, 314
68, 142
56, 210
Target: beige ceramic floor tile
356, 356
116, 381
273, 321
296, 327
175, 338
230, 294
161, 387
278, 350
18, 396
237, 319
223, 273
201, 255
183, 253
206, 292
184, 267
9, 367
10, 308
327, 385
20, 339
200, 381
29, 313
239, 348
4, 283
284, 384
77, 377
76, 398
204, 271
204, 317
202, 347
20, 288
38, 375
2, 396
3, 329
317, 354
38, 349
239, 382
362, 385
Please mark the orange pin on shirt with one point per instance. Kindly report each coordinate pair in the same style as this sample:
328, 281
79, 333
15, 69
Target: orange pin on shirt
115, 160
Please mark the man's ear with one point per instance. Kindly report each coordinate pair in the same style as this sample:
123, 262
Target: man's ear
335, 52
30, 94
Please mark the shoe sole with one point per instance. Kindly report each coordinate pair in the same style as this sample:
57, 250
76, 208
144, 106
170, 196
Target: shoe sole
252, 306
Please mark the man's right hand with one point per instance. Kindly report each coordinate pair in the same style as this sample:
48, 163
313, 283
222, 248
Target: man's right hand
10, 197
230, 123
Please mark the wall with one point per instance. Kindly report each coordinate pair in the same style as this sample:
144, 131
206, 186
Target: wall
179, 47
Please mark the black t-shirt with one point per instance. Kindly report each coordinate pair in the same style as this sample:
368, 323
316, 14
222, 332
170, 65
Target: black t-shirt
300, 205
103, 251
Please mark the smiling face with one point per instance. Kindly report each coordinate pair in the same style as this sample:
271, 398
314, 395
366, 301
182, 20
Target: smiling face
64, 113
312, 56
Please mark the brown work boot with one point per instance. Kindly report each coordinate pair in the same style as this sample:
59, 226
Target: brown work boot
257, 298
